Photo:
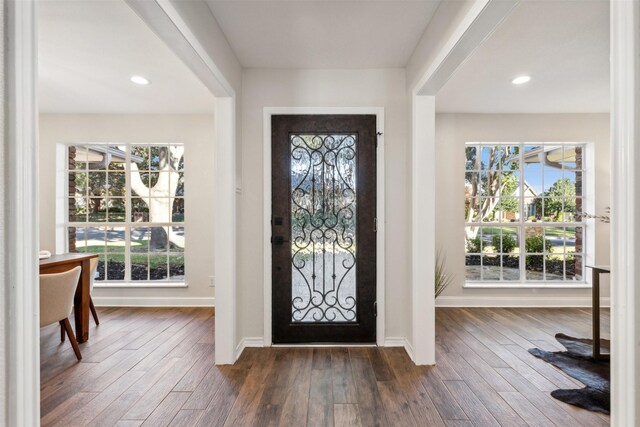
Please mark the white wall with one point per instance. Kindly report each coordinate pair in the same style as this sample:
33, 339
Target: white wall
196, 132
323, 88
453, 130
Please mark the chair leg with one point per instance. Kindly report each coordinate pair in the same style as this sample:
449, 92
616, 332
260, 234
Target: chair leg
62, 333
67, 326
94, 313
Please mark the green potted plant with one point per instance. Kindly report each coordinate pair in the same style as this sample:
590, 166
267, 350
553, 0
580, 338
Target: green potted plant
442, 278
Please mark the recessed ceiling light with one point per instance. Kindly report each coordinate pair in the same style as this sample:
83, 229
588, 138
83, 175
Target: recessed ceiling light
139, 80
520, 80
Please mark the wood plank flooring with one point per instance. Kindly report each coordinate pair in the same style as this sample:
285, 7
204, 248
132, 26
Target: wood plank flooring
154, 367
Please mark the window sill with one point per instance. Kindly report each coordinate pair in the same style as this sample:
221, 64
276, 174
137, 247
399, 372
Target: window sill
148, 285
533, 285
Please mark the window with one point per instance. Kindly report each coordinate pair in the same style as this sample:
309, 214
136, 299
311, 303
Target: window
126, 203
523, 213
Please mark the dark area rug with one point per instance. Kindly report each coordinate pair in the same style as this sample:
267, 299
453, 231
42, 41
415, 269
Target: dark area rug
578, 363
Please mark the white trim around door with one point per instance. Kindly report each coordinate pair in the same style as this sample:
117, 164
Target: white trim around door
380, 207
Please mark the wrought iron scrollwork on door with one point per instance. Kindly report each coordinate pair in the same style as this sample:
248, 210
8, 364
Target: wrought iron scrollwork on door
323, 227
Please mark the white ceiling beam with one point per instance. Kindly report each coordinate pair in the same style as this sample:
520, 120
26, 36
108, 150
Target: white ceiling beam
167, 23
480, 21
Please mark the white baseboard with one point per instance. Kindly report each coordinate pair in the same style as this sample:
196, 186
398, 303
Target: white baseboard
400, 342
493, 301
248, 342
153, 302
394, 342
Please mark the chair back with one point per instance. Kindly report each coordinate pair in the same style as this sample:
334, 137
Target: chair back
56, 295
93, 266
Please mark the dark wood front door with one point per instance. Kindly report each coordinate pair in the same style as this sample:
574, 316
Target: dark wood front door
323, 228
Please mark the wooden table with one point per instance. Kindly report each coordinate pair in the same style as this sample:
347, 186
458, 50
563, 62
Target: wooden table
596, 271
81, 310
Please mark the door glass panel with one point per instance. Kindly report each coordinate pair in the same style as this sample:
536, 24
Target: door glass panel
323, 227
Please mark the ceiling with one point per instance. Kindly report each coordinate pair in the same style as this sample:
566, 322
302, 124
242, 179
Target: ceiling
562, 45
323, 33
88, 50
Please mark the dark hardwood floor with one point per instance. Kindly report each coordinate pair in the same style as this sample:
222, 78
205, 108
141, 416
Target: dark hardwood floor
154, 367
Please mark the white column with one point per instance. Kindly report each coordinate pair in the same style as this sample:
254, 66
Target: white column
23, 347
4, 368
225, 230
423, 229
625, 229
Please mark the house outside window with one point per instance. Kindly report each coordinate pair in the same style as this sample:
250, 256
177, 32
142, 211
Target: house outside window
524, 219
126, 203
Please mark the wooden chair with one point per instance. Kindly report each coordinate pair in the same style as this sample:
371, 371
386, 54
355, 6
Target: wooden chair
94, 265
56, 302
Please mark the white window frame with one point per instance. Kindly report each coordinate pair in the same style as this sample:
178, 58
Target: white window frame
588, 204
63, 223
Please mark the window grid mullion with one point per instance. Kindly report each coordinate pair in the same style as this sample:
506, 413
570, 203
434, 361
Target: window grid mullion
522, 259
127, 209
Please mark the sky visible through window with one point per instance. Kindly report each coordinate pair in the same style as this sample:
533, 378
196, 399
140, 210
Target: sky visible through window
534, 172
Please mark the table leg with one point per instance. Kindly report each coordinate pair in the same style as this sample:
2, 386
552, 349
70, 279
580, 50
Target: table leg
596, 312
81, 303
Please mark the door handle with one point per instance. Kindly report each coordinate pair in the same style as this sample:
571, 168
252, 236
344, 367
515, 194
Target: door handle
279, 240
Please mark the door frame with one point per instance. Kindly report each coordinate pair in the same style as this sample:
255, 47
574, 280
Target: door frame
380, 208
